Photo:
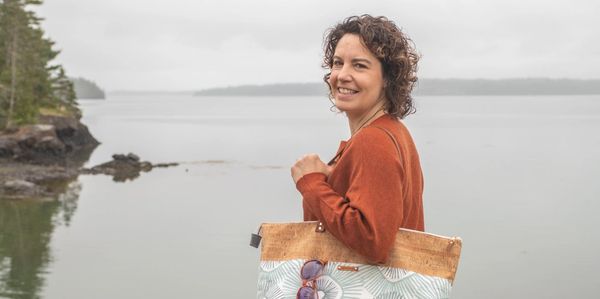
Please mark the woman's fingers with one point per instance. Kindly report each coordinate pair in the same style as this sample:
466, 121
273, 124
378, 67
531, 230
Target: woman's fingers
309, 163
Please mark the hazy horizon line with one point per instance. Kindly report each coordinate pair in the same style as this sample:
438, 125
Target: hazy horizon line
192, 91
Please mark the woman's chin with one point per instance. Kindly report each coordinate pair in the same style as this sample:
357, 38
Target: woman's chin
343, 106
349, 110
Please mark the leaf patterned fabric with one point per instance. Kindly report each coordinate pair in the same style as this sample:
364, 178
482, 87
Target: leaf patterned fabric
281, 279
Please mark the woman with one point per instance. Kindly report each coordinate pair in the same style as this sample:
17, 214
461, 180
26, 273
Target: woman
374, 184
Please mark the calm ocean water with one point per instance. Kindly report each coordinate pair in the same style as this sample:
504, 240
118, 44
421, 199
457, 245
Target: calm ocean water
515, 177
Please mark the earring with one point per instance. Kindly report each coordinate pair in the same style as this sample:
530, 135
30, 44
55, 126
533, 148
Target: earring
333, 107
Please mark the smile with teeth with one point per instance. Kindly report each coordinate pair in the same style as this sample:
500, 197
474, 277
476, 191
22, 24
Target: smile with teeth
346, 91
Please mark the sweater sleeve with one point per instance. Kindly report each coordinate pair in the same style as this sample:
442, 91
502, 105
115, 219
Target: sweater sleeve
368, 217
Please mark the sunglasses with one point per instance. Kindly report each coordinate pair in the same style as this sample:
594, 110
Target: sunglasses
310, 271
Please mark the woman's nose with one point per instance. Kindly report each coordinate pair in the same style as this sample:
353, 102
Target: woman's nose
345, 73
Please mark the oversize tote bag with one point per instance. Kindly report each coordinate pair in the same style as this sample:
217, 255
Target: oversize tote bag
421, 265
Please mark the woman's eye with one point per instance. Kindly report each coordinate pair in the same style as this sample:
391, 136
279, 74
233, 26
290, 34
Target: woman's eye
359, 66
337, 63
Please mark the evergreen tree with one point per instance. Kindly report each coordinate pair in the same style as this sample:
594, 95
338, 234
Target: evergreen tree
64, 97
27, 81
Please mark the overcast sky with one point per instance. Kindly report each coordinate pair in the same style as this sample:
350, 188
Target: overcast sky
194, 44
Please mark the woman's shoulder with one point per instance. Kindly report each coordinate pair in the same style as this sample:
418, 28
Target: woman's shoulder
385, 134
371, 147
382, 127
371, 133
390, 123
393, 126
372, 139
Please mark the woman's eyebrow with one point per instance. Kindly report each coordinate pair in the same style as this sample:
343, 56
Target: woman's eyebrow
354, 60
367, 61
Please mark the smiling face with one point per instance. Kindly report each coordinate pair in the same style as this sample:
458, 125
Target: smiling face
356, 78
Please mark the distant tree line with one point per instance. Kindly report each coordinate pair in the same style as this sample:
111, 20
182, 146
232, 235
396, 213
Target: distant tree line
276, 89
517, 86
86, 89
531, 86
29, 83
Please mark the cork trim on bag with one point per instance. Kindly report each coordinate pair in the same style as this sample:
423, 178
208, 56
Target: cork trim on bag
413, 250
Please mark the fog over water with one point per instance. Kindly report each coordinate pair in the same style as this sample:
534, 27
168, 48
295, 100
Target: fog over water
515, 177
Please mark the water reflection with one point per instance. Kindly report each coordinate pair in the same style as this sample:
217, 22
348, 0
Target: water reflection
26, 228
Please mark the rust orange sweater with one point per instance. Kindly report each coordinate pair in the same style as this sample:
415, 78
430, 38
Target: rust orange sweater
371, 192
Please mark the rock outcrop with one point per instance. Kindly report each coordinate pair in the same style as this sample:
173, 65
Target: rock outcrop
54, 140
37, 160
124, 167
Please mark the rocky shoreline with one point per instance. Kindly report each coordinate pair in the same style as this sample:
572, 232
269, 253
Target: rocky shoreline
38, 161
53, 140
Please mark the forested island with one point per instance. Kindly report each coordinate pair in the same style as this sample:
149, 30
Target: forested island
525, 86
86, 89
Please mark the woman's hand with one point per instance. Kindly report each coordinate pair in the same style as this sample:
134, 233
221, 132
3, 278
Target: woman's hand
307, 164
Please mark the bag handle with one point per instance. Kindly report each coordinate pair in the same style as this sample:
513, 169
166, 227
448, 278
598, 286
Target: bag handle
255, 238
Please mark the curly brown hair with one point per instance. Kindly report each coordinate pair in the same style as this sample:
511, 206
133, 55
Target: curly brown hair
391, 46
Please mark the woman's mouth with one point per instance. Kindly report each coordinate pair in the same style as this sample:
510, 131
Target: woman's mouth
346, 91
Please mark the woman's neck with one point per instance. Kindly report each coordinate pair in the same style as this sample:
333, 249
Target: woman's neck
358, 122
